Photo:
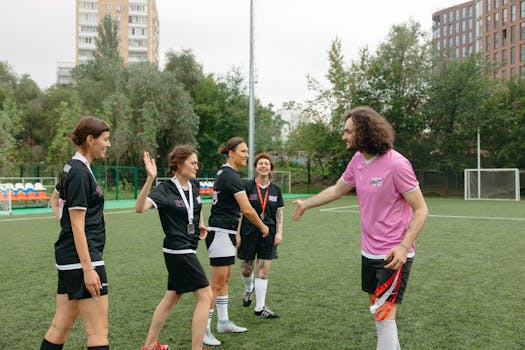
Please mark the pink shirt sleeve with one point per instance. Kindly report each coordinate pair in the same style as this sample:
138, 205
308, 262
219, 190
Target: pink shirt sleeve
348, 175
405, 179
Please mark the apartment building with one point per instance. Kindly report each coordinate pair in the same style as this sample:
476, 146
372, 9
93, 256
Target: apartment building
138, 28
494, 28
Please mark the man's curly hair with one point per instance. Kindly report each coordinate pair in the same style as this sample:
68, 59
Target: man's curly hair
373, 134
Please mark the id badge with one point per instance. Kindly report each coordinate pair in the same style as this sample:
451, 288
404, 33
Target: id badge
191, 229
262, 215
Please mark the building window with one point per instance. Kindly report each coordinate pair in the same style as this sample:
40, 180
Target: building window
503, 57
470, 37
512, 35
496, 40
522, 31
513, 13
487, 6
522, 53
487, 24
504, 17
522, 71
504, 38
496, 4
522, 9
487, 42
117, 7
512, 72
108, 6
470, 12
512, 55
496, 20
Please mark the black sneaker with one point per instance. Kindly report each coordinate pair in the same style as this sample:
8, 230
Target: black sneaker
266, 313
247, 298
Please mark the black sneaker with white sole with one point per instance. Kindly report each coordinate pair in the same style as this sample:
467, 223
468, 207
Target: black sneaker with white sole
247, 298
266, 313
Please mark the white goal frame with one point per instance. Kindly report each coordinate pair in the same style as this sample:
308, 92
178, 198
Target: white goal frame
6, 206
481, 184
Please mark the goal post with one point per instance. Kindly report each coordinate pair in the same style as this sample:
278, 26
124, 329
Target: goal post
492, 184
6, 207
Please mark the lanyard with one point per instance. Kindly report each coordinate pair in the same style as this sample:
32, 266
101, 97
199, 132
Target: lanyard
263, 202
189, 206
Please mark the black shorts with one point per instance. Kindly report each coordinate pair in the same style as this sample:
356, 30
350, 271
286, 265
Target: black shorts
225, 261
374, 274
253, 244
185, 273
71, 282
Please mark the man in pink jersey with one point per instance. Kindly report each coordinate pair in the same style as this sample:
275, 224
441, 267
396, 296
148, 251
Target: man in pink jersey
393, 212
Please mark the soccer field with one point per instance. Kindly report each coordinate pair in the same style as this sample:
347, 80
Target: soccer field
466, 289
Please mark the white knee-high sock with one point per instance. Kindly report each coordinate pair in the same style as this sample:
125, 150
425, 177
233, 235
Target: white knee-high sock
222, 307
261, 286
210, 316
248, 282
387, 338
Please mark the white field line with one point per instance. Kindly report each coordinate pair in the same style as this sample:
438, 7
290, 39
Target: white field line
340, 210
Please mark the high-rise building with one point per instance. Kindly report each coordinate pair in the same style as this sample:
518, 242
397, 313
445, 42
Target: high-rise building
138, 28
494, 28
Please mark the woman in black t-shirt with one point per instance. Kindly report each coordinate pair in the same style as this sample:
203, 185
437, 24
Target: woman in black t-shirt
180, 211
229, 201
267, 200
78, 203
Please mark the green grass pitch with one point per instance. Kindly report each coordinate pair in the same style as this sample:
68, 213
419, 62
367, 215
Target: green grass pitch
466, 289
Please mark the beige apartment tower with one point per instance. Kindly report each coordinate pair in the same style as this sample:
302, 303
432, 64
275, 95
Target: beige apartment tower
138, 28
494, 28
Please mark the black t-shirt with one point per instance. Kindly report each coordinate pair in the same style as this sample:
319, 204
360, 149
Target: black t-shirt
274, 201
225, 211
79, 190
174, 215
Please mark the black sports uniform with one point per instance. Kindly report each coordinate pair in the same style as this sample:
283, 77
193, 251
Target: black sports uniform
252, 242
225, 214
79, 190
185, 271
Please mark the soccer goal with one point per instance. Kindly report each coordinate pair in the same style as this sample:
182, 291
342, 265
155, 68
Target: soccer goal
492, 184
5, 200
283, 179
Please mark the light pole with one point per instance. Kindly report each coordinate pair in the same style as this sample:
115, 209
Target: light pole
251, 119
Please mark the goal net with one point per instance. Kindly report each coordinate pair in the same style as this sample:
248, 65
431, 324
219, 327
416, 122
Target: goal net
283, 179
5, 200
492, 184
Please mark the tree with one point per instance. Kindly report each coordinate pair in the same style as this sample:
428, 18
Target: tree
107, 41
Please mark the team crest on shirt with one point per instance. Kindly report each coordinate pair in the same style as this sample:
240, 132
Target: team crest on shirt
252, 197
199, 199
376, 182
272, 198
179, 203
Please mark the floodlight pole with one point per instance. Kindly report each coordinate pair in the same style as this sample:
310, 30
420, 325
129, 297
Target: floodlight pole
251, 120
479, 165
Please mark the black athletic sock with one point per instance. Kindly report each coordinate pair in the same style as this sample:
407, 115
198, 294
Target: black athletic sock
100, 347
50, 346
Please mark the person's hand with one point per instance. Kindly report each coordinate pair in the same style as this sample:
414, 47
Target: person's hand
92, 282
299, 209
149, 164
265, 231
203, 232
278, 238
396, 258
237, 239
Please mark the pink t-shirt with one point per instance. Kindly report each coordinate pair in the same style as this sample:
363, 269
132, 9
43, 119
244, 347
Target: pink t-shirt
385, 215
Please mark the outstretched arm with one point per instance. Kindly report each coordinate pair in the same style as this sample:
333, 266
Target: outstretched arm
325, 196
141, 205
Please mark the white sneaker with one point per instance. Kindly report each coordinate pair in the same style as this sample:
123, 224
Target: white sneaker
229, 327
209, 339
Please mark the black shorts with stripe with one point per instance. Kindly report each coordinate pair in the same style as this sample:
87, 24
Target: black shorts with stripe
185, 273
71, 282
253, 244
374, 274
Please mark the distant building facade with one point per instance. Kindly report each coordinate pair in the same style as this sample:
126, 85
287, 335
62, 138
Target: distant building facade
64, 72
494, 28
138, 28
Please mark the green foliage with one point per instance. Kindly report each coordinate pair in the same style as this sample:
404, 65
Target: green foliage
107, 41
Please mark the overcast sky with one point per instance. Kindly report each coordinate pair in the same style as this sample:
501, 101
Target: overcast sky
292, 37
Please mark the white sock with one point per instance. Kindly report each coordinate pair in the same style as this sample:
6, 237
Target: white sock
261, 286
222, 307
210, 316
387, 338
248, 282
